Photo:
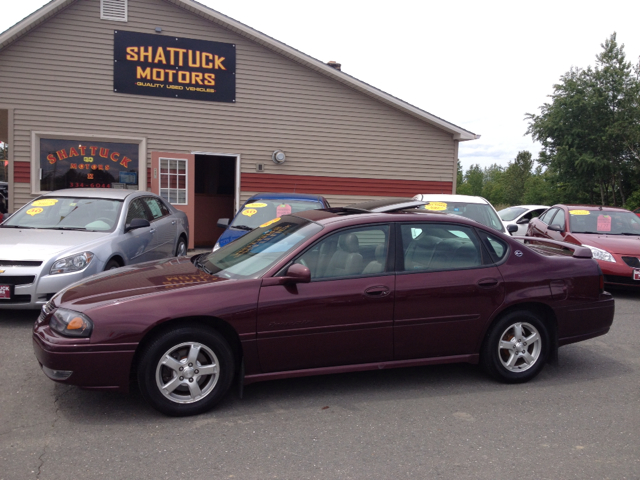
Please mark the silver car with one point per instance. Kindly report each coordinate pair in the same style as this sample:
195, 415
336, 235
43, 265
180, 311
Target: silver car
67, 235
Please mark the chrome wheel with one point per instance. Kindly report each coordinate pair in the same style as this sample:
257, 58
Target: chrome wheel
181, 249
519, 347
187, 372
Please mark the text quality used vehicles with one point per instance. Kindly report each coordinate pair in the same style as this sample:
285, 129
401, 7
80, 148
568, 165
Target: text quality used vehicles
67, 235
612, 234
324, 291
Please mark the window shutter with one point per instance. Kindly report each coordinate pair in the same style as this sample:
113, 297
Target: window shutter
113, 10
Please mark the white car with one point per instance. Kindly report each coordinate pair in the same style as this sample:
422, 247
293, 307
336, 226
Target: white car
516, 219
469, 206
67, 235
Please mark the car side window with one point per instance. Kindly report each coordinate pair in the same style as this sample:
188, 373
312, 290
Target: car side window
137, 210
348, 253
496, 247
439, 247
156, 207
558, 219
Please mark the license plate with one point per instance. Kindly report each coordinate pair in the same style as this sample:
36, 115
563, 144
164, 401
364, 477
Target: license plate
636, 274
5, 292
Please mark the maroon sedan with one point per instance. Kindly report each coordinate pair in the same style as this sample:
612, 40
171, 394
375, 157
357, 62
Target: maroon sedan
612, 234
378, 285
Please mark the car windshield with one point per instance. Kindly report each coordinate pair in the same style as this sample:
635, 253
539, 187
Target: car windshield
511, 213
480, 212
257, 212
604, 222
253, 254
67, 213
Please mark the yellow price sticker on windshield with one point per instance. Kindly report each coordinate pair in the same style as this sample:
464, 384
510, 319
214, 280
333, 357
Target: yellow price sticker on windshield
45, 202
436, 206
249, 212
34, 211
579, 212
266, 224
255, 205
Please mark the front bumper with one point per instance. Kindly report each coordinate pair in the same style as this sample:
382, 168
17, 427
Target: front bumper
74, 362
39, 286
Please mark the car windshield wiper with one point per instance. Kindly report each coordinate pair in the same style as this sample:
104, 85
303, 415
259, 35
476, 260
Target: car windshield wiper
16, 226
68, 228
242, 227
201, 266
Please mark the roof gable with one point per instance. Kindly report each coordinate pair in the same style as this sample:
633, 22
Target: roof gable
55, 6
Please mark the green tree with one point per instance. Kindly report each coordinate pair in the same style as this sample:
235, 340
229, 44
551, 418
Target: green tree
474, 178
590, 132
493, 187
515, 178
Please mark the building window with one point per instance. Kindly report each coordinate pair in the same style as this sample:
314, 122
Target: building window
87, 164
173, 180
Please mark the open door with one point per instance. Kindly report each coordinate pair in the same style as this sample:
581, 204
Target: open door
172, 177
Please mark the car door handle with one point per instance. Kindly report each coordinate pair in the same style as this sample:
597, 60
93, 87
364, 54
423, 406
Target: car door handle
153, 230
173, 222
377, 291
488, 282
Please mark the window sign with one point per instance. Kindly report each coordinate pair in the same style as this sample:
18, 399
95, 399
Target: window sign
80, 164
167, 66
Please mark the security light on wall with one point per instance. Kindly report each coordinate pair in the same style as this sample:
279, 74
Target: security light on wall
278, 157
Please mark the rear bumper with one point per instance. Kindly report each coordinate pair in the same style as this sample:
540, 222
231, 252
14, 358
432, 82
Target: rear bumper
585, 321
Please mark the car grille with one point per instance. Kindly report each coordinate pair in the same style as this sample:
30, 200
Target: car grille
19, 263
621, 280
633, 262
47, 308
17, 279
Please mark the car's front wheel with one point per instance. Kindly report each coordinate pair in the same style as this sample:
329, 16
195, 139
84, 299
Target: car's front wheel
186, 371
181, 249
516, 348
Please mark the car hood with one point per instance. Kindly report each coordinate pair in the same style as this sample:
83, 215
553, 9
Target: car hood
136, 280
40, 244
620, 244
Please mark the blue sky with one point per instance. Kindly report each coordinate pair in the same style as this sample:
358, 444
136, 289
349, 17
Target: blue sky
481, 65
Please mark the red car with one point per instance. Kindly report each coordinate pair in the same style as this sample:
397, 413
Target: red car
612, 234
376, 285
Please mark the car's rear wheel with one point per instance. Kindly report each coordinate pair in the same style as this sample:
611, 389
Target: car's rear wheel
181, 249
516, 348
186, 371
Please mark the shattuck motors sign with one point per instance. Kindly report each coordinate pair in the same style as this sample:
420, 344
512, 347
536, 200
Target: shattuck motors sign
165, 66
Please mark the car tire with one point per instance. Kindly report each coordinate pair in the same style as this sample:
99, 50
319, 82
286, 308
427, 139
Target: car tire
516, 348
181, 248
170, 372
111, 265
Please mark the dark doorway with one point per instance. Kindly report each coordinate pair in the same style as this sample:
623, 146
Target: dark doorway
215, 183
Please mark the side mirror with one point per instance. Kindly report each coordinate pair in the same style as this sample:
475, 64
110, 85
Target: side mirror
556, 228
223, 222
137, 223
298, 273
511, 228
523, 221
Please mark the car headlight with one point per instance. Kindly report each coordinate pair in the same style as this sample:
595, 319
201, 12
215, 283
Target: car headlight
600, 254
216, 246
71, 324
74, 263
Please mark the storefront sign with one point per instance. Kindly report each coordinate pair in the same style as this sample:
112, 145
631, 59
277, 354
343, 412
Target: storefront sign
165, 66
79, 164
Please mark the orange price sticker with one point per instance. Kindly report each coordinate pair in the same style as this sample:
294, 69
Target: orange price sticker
34, 211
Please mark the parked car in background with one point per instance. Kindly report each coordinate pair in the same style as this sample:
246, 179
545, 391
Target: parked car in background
365, 287
612, 234
67, 235
4, 195
475, 208
263, 207
516, 219
637, 211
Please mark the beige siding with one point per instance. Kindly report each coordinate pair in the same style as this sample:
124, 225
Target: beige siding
60, 78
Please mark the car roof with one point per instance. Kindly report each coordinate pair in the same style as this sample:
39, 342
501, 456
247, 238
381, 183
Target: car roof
285, 196
111, 193
441, 197
528, 207
399, 210
591, 207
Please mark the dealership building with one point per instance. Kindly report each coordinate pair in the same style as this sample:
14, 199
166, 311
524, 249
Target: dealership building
173, 97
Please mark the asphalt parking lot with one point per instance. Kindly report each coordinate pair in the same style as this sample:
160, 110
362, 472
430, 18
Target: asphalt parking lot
577, 420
